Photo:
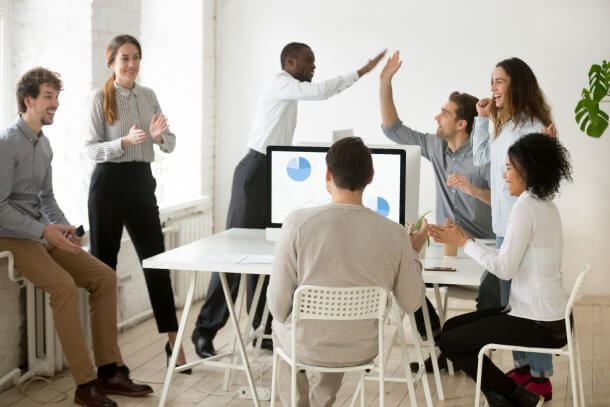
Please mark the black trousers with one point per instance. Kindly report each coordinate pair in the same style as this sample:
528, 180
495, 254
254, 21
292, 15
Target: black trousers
247, 209
123, 194
488, 297
463, 336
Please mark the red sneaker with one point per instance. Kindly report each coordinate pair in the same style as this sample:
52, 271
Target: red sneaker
545, 389
518, 377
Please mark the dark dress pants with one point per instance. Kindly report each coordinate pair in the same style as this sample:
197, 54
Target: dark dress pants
123, 194
247, 209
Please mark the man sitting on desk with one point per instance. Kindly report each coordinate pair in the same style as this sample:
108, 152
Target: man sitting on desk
341, 244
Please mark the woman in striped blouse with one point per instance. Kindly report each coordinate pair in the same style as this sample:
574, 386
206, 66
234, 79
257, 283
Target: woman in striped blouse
125, 123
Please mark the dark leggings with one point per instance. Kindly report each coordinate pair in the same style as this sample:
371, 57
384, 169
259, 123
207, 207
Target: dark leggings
463, 336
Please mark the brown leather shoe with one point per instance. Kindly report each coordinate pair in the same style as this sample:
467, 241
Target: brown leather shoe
121, 384
91, 395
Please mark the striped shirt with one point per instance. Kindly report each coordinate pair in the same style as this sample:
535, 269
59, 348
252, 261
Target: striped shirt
134, 106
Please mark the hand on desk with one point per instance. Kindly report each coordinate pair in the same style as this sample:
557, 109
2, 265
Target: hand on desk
449, 233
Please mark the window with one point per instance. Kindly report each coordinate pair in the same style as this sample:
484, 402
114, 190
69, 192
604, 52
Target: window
4, 63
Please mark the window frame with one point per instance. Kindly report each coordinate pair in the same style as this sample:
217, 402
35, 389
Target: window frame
5, 65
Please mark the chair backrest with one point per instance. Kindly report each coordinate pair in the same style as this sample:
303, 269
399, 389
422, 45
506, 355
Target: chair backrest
577, 291
337, 303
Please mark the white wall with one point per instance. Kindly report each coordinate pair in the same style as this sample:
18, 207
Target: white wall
445, 46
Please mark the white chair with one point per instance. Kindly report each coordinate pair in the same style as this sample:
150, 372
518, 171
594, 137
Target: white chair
399, 340
334, 304
571, 350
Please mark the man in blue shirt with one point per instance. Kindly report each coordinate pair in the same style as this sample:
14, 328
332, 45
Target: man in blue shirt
462, 189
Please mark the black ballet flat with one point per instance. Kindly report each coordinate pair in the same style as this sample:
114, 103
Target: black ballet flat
168, 352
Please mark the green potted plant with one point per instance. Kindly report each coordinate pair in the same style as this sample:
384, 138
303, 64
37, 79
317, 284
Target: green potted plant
417, 227
591, 119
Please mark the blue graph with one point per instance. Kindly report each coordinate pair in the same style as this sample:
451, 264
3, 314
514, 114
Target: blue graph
381, 206
298, 169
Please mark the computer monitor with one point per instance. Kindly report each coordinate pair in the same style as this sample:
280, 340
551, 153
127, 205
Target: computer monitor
296, 179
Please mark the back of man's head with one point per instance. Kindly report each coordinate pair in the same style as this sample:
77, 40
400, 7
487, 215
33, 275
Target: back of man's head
291, 50
350, 163
466, 108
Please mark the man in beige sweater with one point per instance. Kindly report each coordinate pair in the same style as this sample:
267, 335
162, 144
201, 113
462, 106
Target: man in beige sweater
342, 244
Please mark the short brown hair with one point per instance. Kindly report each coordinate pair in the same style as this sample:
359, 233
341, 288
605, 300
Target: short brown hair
466, 108
29, 85
350, 163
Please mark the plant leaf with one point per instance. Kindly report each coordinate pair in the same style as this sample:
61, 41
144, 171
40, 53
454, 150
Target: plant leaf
591, 119
598, 82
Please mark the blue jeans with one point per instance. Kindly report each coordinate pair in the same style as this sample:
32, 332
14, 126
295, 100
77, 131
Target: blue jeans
541, 364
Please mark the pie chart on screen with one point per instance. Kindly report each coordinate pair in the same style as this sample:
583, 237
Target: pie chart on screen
379, 205
298, 169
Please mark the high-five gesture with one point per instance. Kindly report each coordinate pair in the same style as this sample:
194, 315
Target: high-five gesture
158, 127
390, 68
371, 64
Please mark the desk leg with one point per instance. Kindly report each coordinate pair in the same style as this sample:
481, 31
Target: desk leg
254, 305
238, 306
432, 346
442, 312
178, 344
240, 341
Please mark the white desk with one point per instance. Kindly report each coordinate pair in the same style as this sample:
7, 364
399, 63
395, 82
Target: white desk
227, 252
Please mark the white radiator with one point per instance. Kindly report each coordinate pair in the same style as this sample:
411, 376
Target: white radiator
181, 224
44, 352
184, 224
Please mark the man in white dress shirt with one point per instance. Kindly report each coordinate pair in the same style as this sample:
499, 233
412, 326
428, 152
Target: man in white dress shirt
274, 124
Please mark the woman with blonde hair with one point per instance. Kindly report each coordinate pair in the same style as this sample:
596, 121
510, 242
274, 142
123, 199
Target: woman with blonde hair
126, 122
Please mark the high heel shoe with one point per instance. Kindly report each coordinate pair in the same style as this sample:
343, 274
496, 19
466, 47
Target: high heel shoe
168, 352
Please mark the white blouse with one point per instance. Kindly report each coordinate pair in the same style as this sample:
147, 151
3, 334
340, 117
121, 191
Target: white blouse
530, 256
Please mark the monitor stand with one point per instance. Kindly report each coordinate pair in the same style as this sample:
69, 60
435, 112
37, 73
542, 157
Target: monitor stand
272, 234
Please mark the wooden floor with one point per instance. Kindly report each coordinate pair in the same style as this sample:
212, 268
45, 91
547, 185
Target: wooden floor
142, 348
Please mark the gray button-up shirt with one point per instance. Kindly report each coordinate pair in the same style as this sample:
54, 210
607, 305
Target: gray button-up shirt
27, 203
473, 215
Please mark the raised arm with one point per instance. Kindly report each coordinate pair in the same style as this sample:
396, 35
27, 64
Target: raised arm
289, 88
480, 134
389, 115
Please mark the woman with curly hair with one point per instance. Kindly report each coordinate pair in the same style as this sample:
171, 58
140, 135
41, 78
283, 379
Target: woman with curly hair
517, 107
530, 256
